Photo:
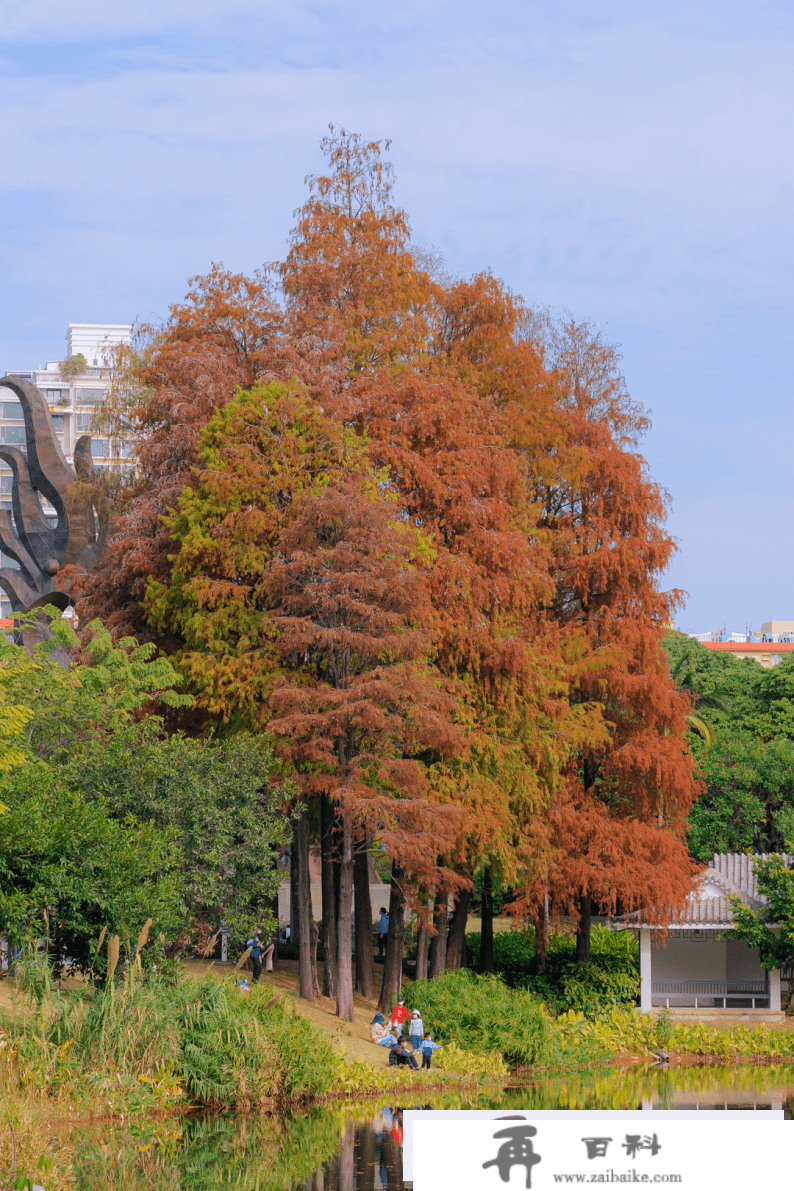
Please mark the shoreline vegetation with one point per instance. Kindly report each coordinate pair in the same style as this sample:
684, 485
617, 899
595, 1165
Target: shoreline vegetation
147, 1053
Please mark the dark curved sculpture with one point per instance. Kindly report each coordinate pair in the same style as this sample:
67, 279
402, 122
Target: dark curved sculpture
44, 551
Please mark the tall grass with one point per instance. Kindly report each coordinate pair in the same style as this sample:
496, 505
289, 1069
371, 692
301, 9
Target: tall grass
204, 1039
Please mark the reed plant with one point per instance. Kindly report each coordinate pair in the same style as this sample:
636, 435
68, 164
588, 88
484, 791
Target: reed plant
145, 1038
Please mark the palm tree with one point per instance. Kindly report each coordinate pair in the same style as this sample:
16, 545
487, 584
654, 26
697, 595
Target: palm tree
698, 723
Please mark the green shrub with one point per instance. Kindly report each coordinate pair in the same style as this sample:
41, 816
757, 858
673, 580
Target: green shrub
610, 979
513, 953
630, 1032
480, 1013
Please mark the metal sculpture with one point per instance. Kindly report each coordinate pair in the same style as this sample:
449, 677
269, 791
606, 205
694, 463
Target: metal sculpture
50, 557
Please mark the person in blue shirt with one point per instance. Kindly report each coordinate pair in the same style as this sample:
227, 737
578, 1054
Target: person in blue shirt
383, 930
428, 1046
255, 943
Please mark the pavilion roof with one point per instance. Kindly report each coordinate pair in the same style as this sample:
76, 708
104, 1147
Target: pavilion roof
730, 874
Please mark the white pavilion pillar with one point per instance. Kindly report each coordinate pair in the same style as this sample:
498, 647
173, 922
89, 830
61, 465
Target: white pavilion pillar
774, 990
646, 986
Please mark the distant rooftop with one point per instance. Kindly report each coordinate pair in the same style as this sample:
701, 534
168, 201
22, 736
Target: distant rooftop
750, 646
774, 628
95, 340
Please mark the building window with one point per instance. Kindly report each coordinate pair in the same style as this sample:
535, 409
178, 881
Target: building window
12, 409
99, 448
12, 434
89, 396
57, 423
6, 483
58, 396
83, 423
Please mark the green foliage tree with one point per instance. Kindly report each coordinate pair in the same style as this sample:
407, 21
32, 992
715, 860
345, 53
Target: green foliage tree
215, 799
746, 758
50, 712
73, 366
770, 929
68, 868
95, 796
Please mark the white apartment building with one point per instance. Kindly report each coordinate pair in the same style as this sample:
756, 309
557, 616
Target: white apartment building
73, 402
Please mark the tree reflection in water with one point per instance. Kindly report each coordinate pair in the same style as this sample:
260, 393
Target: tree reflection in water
358, 1147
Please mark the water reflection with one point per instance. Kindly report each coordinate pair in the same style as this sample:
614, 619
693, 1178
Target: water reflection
359, 1147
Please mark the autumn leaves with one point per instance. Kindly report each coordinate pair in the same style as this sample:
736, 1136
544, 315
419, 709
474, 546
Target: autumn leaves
397, 522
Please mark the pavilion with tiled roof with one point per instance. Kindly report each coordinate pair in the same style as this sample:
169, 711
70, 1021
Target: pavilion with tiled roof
697, 962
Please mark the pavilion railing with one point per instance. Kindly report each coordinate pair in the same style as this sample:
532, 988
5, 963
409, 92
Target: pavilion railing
714, 991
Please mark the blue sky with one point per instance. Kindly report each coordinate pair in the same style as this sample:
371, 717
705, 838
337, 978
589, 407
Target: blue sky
630, 166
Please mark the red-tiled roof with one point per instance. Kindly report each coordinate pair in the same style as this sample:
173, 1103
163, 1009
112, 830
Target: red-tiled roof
750, 646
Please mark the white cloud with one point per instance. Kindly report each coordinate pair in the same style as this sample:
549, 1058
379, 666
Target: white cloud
626, 163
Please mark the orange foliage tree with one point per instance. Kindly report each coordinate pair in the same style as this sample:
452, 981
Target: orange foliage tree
225, 334
361, 703
616, 830
450, 403
303, 603
507, 446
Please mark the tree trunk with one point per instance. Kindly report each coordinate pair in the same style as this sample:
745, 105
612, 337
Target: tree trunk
274, 938
583, 930
456, 940
365, 960
438, 944
303, 914
421, 948
486, 915
315, 933
392, 963
337, 886
542, 934
293, 890
344, 974
327, 854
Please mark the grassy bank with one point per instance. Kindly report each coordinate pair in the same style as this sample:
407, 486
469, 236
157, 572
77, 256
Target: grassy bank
629, 1033
150, 1050
147, 1051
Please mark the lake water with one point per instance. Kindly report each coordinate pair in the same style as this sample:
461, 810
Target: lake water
358, 1147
